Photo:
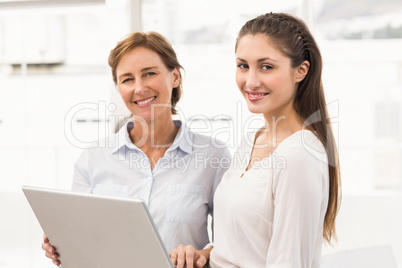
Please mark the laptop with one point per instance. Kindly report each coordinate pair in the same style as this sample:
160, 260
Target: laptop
89, 230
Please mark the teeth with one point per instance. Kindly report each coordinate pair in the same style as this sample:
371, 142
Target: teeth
259, 95
146, 101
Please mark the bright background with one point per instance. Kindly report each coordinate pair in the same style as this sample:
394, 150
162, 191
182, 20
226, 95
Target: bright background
57, 95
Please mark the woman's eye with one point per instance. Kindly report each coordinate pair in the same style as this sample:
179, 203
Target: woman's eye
267, 67
242, 66
149, 74
127, 80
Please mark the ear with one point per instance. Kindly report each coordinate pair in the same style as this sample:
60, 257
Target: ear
176, 77
302, 70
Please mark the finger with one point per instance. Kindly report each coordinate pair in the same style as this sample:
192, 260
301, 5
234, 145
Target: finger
173, 256
190, 256
181, 254
56, 262
201, 261
48, 248
52, 256
45, 239
45, 247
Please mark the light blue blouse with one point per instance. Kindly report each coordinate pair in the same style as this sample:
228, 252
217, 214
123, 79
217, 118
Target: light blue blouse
178, 191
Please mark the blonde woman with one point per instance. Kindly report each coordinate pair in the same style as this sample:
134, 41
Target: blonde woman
153, 157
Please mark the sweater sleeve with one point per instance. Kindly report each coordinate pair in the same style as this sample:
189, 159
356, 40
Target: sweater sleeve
299, 192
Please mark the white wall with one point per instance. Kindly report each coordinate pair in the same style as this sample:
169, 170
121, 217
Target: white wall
34, 148
369, 220
40, 138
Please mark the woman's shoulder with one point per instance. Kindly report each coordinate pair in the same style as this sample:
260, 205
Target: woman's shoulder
303, 147
107, 144
208, 144
303, 140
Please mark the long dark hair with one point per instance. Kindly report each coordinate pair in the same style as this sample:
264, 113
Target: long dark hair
293, 38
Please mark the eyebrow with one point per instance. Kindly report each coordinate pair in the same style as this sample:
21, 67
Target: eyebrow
259, 60
149, 68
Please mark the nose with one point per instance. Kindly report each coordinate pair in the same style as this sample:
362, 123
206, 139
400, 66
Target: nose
253, 82
140, 87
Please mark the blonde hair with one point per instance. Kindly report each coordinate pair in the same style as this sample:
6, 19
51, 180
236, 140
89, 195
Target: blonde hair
155, 42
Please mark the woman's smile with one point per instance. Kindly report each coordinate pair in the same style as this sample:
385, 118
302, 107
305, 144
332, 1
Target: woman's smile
145, 102
256, 96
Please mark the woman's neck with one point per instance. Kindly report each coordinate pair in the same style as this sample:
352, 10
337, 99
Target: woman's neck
281, 125
153, 135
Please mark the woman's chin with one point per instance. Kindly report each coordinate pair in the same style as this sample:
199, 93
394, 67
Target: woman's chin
253, 109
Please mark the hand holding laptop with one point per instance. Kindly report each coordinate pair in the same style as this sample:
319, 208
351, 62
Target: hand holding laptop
189, 257
50, 252
92, 230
